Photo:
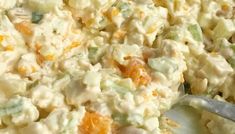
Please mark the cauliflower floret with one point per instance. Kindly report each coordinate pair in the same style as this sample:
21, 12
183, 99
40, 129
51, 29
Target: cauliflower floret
63, 120
120, 52
151, 123
225, 28
142, 28
132, 130
228, 87
215, 68
12, 45
35, 128
44, 5
61, 83
7, 4
17, 15
46, 98
28, 66
58, 121
12, 84
52, 42
92, 79
8, 130
171, 68
76, 93
207, 72
90, 11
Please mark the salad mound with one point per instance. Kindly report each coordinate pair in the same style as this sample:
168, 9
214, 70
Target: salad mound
112, 66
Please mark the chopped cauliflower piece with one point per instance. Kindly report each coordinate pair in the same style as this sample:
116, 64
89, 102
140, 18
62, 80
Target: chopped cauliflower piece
224, 29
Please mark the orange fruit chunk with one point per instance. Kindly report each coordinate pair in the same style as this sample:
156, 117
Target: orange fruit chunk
137, 72
94, 123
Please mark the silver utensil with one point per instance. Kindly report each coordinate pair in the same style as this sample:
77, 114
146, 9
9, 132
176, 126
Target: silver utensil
223, 109
187, 112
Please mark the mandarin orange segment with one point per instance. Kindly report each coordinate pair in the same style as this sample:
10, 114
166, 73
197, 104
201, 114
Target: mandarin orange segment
94, 123
137, 72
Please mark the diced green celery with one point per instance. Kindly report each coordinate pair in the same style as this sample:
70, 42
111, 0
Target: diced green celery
172, 36
164, 65
233, 47
11, 107
126, 83
92, 54
44, 5
36, 17
196, 32
120, 118
124, 8
110, 85
232, 61
34, 84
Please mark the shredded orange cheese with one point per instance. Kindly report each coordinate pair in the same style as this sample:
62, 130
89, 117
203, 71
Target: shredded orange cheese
225, 7
9, 48
39, 59
38, 47
89, 22
112, 13
1, 38
154, 93
49, 57
119, 34
33, 69
22, 70
73, 45
115, 11
151, 29
24, 27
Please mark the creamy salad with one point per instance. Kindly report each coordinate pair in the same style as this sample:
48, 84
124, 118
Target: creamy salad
112, 66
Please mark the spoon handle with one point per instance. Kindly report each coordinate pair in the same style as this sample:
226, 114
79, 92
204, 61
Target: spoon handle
223, 109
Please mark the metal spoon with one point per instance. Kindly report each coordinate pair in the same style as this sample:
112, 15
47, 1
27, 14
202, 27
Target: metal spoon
187, 112
223, 109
